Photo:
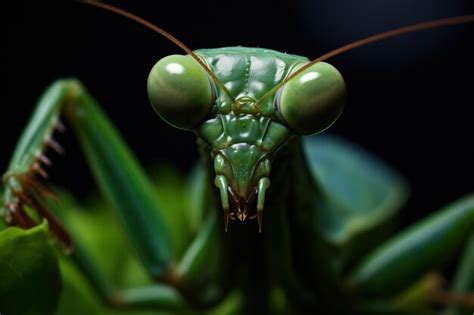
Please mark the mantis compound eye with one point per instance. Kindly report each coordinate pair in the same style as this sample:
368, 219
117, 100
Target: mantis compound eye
313, 100
180, 91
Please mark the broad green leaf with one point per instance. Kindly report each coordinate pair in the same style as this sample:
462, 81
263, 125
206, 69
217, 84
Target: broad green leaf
30, 281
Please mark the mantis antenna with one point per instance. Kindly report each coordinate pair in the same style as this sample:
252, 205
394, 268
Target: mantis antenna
372, 39
164, 33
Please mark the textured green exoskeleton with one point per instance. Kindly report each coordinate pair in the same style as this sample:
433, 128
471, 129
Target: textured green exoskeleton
328, 205
243, 135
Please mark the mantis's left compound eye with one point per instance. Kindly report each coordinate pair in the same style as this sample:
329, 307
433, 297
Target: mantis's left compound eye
313, 100
180, 91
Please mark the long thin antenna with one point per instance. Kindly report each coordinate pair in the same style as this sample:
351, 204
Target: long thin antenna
372, 39
164, 33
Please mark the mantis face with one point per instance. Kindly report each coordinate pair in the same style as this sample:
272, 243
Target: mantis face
245, 114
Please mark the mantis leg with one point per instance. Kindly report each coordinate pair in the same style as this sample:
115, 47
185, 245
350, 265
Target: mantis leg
123, 183
408, 256
175, 295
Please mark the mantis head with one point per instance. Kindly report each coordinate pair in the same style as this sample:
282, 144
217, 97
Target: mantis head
245, 128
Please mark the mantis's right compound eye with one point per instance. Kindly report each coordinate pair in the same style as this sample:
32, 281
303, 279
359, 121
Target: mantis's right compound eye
180, 91
313, 100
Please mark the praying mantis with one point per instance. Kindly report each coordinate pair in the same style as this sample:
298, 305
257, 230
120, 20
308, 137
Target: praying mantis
309, 278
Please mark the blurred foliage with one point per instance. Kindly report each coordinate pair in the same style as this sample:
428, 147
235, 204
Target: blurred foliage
94, 224
30, 281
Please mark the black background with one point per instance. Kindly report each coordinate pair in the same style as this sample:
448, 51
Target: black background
409, 98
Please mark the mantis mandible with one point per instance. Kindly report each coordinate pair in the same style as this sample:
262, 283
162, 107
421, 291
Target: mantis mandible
319, 199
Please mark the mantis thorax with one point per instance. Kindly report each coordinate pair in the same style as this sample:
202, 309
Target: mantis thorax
244, 135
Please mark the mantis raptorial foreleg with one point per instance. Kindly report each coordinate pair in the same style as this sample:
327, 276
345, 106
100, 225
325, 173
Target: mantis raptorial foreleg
124, 185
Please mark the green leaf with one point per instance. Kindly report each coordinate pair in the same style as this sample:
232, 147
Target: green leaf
30, 281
